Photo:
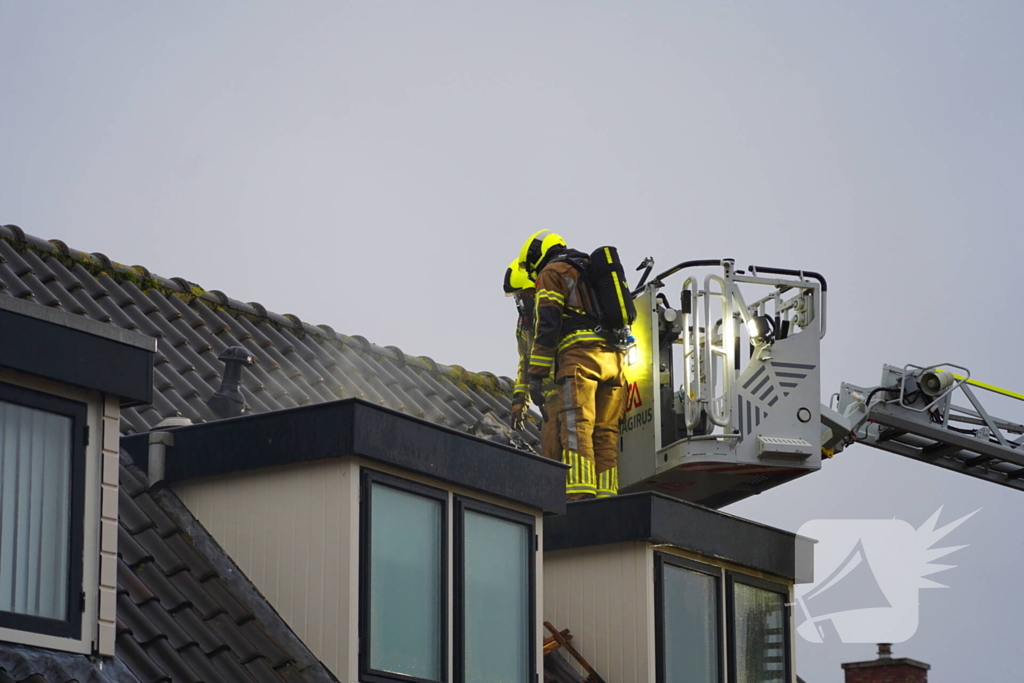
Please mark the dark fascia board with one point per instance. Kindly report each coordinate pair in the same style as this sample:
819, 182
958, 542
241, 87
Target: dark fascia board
68, 348
656, 518
353, 427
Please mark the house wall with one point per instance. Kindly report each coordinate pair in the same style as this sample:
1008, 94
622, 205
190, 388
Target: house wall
294, 531
99, 566
604, 595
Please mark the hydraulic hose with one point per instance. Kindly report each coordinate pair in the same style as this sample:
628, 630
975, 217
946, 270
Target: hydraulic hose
676, 268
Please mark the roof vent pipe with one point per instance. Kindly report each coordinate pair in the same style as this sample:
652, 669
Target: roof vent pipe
158, 444
228, 401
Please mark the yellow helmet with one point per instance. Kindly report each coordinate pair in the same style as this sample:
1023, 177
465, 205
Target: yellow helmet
536, 248
516, 279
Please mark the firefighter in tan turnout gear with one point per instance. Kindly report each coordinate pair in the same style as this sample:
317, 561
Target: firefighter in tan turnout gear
519, 285
574, 344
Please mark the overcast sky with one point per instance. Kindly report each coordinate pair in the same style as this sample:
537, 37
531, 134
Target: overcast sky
375, 166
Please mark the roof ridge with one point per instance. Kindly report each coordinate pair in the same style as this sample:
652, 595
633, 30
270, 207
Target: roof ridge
99, 264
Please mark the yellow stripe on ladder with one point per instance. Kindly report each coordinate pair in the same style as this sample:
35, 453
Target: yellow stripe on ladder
990, 387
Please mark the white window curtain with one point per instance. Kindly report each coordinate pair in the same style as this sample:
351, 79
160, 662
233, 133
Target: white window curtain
35, 503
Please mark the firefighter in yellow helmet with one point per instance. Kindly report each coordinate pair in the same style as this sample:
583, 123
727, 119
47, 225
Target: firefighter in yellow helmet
570, 345
519, 285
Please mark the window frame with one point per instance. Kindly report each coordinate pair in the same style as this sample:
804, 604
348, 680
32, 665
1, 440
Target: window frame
462, 505
660, 560
77, 411
369, 477
731, 579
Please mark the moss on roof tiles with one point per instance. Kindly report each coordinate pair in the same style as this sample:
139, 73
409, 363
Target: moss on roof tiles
97, 264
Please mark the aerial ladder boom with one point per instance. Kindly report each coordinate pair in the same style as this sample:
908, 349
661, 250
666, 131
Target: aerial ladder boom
934, 414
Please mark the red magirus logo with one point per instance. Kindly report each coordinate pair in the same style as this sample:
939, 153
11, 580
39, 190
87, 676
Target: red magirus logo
633, 400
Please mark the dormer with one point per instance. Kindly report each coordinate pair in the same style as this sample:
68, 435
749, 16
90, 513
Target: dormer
63, 380
655, 589
395, 548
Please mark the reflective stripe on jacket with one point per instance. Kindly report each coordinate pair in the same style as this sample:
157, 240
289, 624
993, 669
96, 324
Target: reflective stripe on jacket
562, 318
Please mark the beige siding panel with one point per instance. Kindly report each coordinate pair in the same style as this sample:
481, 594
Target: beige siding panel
108, 525
603, 595
107, 634
289, 529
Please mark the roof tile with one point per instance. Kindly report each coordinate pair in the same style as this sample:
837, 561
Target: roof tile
197, 661
193, 624
131, 482
267, 647
169, 596
129, 514
141, 628
144, 668
164, 557
205, 604
235, 609
261, 670
165, 624
228, 631
231, 670
165, 526
167, 658
129, 549
197, 564
132, 585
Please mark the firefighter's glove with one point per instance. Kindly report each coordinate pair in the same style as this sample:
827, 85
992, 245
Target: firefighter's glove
519, 415
536, 394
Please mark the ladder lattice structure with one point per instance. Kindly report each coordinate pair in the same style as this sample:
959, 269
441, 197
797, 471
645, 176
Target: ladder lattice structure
912, 413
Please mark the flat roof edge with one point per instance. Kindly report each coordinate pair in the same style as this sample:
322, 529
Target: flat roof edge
56, 316
354, 427
659, 519
73, 350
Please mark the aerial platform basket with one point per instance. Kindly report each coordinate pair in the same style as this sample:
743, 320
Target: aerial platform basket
724, 387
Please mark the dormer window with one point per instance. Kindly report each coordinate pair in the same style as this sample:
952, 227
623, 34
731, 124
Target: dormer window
688, 620
494, 593
404, 580
406, 565
759, 638
42, 483
688, 610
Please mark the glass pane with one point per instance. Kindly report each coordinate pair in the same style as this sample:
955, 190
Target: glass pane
405, 583
760, 635
691, 626
35, 503
497, 600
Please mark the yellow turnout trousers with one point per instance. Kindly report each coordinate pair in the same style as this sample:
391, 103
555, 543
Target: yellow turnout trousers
592, 393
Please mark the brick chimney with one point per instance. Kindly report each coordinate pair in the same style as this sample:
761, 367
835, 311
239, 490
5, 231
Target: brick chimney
885, 669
